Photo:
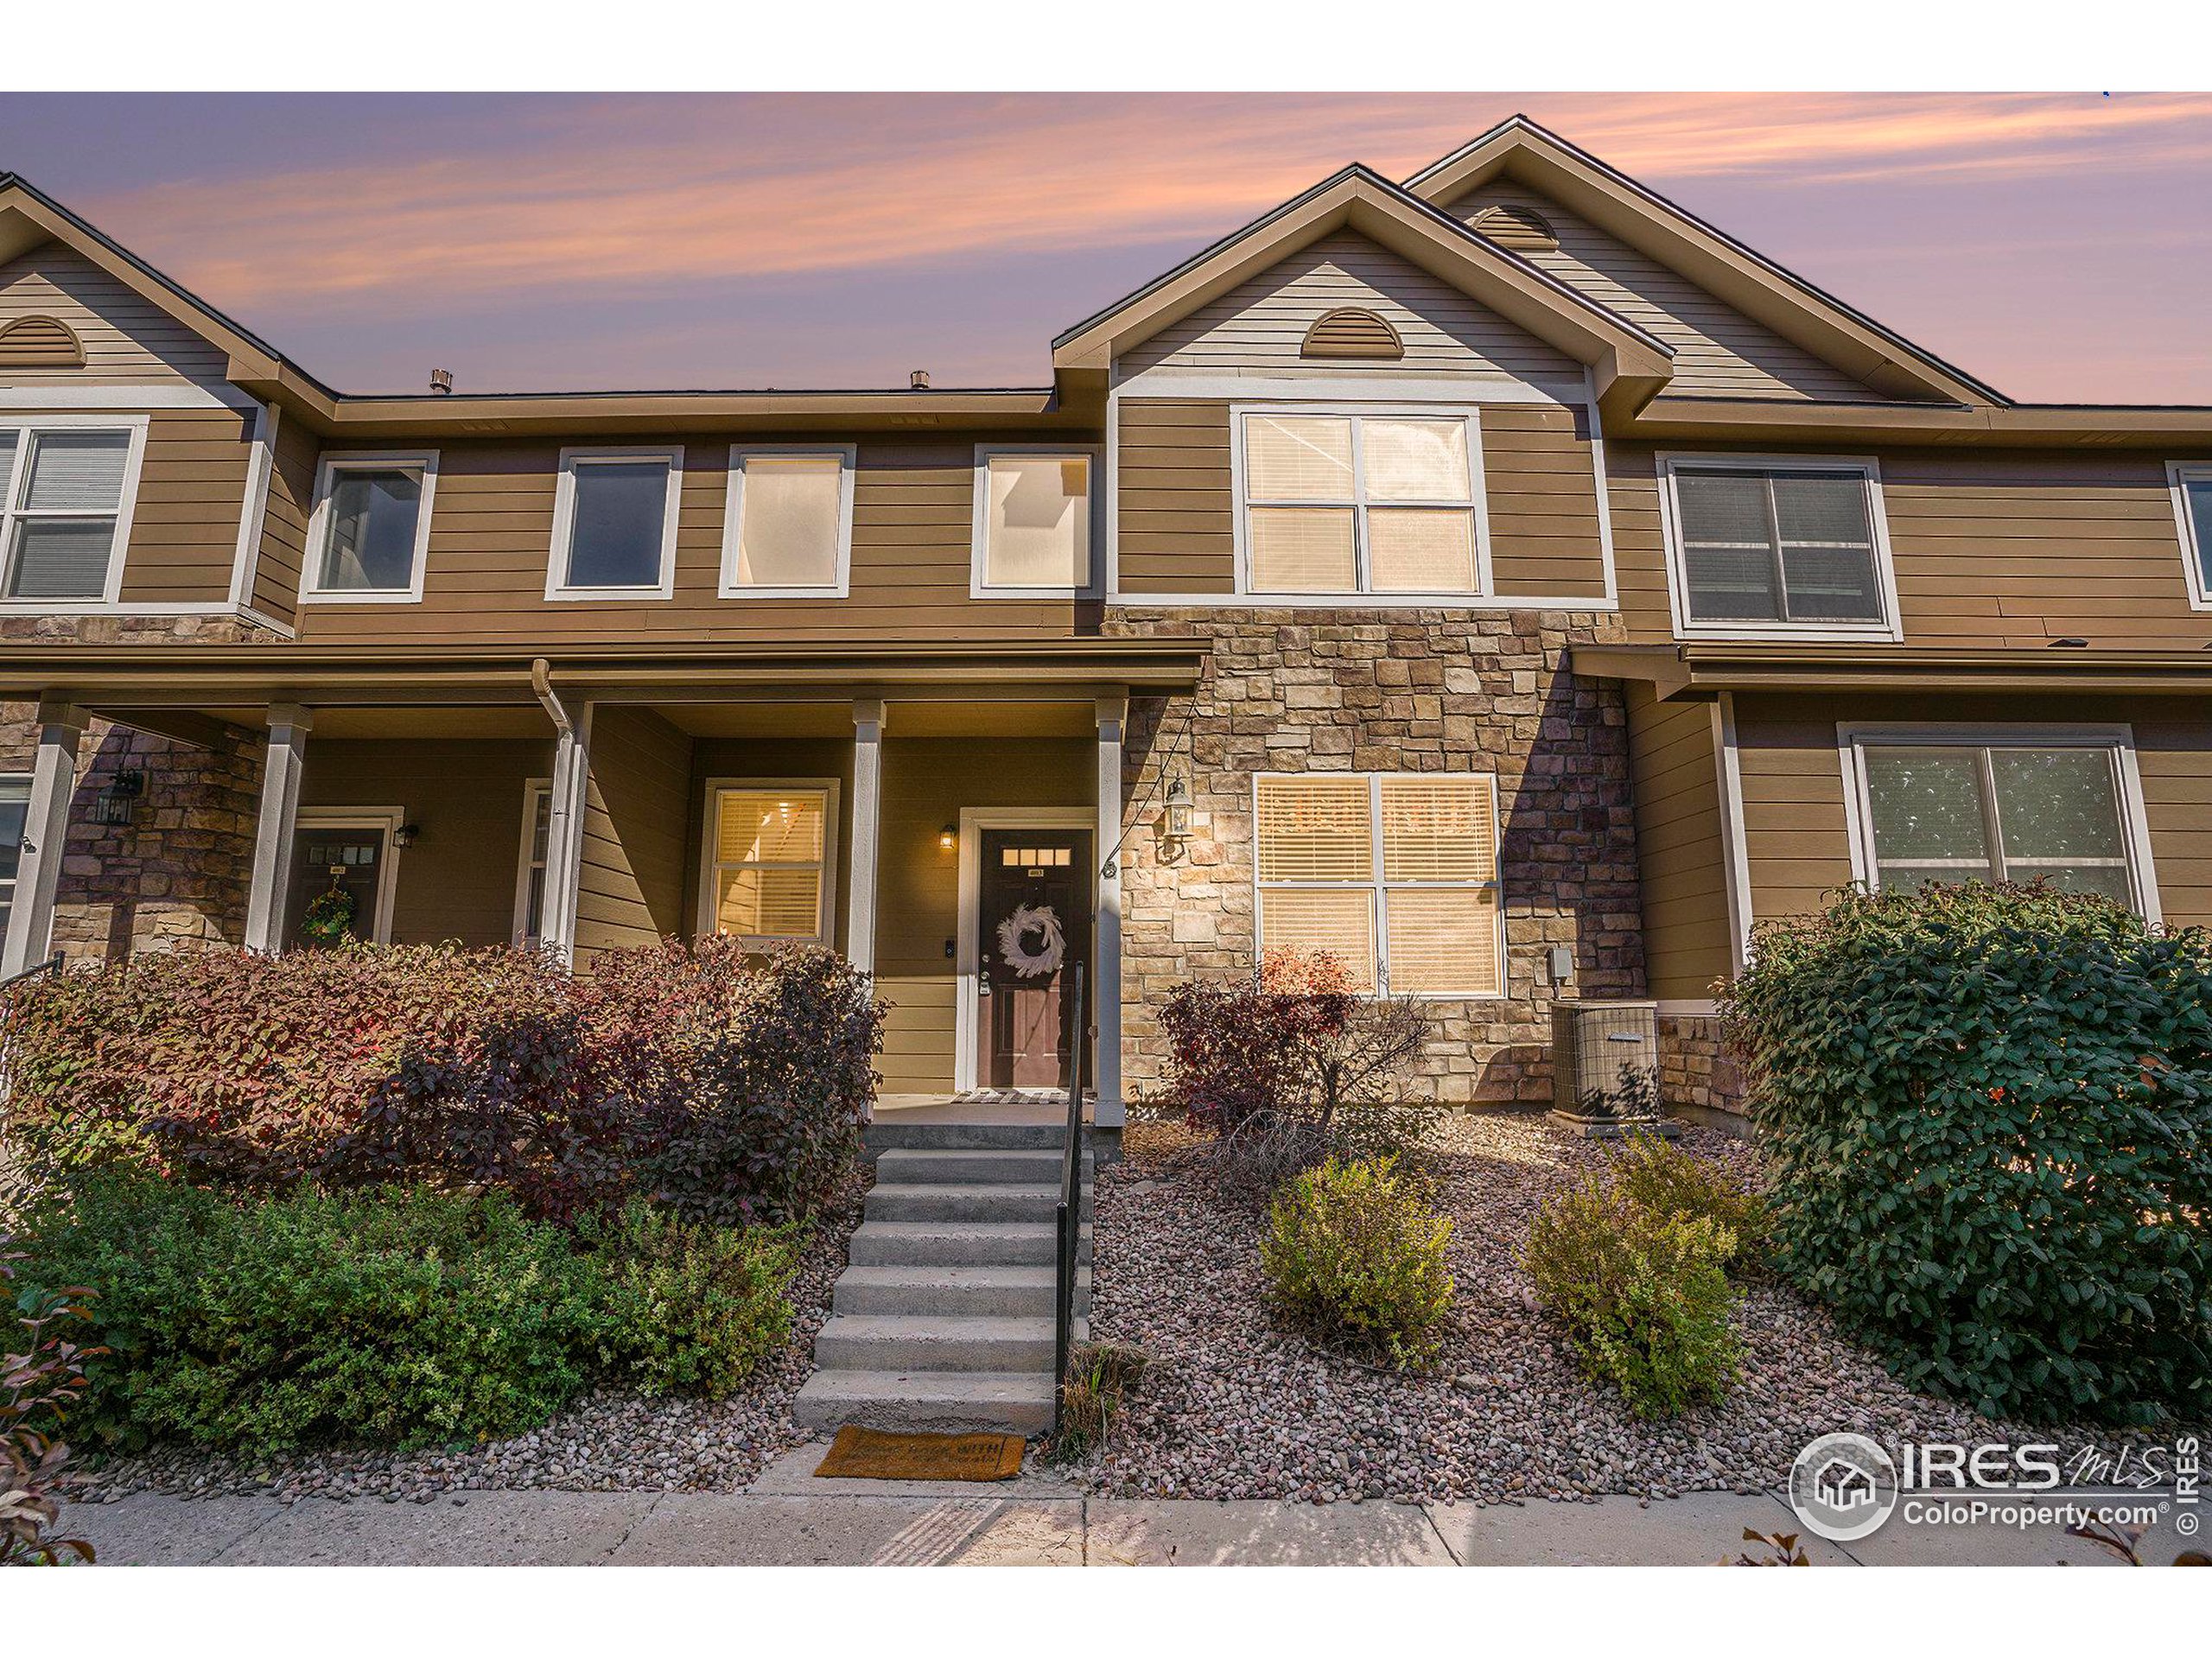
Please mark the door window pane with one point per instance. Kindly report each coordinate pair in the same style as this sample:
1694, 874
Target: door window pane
373, 515
1037, 529
789, 509
617, 523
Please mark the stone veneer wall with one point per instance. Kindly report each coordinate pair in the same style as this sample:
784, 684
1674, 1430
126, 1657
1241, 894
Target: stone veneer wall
1377, 691
1695, 1070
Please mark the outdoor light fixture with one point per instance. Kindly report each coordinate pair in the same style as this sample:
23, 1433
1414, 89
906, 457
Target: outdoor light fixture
117, 804
1174, 827
406, 835
949, 836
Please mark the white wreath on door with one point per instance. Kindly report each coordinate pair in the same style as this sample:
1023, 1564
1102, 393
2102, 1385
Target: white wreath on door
1027, 919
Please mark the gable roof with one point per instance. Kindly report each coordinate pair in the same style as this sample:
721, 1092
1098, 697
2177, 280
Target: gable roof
1627, 364
1797, 310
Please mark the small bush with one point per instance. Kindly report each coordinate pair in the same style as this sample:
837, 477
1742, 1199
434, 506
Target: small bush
1668, 1181
691, 1309
1100, 1375
1642, 1293
1353, 1254
41, 1378
1988, 1114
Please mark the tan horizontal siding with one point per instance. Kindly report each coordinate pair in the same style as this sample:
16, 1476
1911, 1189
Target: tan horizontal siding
1795, 839
1718, 352
1541, 490
1177, 517
1260, 323
293, 459
491, 541
126, 338
2174, 755
1684, 870
1991, 550
631, 886
184, 525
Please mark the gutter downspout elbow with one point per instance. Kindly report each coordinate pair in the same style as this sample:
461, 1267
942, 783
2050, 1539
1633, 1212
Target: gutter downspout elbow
541, 681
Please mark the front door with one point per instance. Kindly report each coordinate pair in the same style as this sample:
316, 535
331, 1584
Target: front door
1034, 928
338, 876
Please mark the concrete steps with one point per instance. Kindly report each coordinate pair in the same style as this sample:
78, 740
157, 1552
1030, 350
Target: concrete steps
943, 1317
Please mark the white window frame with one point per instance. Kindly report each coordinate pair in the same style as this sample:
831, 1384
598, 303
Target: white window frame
1853, 739
386, 820
2180, 474
1362, 593
826, 921
22, 781
423, 463
1378, 886
840, 586
1889, 627
564, 515
534, 790
26, 428
979, 530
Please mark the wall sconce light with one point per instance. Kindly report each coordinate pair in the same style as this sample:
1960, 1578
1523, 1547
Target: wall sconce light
406, 836
118, 803
1173, 830
949, 837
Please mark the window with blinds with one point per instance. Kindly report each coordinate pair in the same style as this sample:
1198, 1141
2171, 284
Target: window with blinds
1361, 504
767, 874
1790, 546
61, 498
1392, 874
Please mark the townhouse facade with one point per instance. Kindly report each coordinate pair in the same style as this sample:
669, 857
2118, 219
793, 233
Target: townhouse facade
1502, 579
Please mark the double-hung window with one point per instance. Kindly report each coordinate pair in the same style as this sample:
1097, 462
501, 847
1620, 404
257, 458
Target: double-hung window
1394, 874
1939, 808
15, 822
65, 510
771, 856
371, 528
1388, 504
614, 523
788, 533
529, 870
1777, 548
2192, 486
1034, 534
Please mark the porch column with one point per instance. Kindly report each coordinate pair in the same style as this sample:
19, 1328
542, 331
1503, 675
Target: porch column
868, 819
1106, 926
272, 830
46, 827
564, 835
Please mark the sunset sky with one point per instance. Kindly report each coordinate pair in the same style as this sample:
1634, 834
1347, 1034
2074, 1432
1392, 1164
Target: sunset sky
2058, 246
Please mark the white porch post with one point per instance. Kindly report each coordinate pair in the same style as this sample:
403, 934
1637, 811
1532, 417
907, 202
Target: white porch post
564, 835
46, 827
868, 820
1106, 925
272, 830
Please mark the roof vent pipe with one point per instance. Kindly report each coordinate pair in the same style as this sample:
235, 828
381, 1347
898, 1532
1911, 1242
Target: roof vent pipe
441, 383
919, 380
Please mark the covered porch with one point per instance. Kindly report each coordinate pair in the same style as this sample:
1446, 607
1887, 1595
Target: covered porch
950, 821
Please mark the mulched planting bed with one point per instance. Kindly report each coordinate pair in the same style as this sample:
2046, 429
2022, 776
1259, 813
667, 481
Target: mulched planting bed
603, 1443
1234, 1407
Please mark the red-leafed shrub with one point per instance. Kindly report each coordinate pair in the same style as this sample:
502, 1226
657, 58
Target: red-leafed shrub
1238, 1048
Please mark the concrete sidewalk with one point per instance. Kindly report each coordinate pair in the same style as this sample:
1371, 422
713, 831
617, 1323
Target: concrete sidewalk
788, 1519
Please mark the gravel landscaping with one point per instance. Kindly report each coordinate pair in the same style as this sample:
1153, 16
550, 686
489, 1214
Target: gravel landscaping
1234, 1407
603, 1443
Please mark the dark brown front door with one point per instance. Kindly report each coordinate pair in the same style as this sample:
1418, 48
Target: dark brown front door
1035, 927
324, 860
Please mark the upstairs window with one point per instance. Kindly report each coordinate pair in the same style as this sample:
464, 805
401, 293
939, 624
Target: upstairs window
789, 531
614, 523
1786, 547
1393, 875
371, 527
2192, 485
1336, 503
1033, 530
65, 503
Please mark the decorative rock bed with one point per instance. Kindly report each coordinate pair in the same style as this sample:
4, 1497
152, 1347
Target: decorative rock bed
1234, 1407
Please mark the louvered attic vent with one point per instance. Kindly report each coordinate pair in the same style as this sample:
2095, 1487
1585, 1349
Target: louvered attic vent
1522, 229
1352, 331
40, 343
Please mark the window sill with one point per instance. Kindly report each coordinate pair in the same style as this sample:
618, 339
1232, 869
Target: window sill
606, 595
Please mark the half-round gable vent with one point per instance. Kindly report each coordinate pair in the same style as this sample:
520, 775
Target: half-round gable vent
1523, 229
40, 343
1352, 331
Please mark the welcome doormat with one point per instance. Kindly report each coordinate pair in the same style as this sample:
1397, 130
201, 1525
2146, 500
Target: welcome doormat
860, 1453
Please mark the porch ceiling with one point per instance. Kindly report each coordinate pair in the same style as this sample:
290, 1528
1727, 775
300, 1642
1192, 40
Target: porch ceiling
968, 717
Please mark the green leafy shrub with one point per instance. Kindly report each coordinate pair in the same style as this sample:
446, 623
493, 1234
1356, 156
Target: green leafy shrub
691, 1309
1988, 1115
1353, 1253
400, 1316
1643, 1294
1668, 1181
41, 1378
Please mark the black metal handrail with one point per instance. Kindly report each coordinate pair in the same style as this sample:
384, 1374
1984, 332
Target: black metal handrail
51, 966
1068, 1231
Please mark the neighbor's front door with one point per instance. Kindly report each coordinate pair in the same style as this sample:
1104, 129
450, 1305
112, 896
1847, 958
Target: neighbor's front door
348, 859
1035, 927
